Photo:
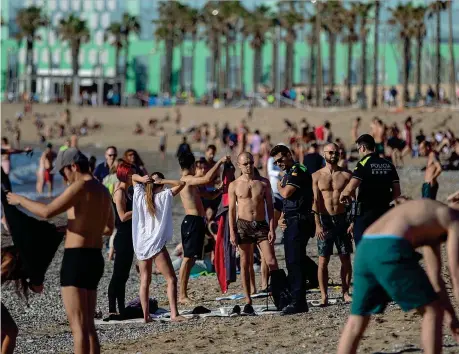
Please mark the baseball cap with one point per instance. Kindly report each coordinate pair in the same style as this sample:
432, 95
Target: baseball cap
68, 157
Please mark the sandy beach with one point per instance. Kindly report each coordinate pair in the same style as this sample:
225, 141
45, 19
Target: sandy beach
43, 325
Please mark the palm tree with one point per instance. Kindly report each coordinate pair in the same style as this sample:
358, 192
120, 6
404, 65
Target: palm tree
130, 24
419, 33
363, 11
374, 100
167, 30
435, 9
350, 23
75, 31
317, 33
29, 20
332, 23
258, 25
114, 34
289, 20
402, 17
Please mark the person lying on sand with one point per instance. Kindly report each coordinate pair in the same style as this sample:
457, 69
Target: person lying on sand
386, 268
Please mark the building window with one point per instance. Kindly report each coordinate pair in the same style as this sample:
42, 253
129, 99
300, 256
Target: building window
76, 5
57, 19
100, 4
64, 5
111, 5
92, 56
87, 5
56, 56
235, 72
104, 57
44, 56
68, 56
105, 19
52, 5
99, 38
81, 57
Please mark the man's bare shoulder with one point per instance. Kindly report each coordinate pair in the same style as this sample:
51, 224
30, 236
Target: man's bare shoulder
346, 172
316, 175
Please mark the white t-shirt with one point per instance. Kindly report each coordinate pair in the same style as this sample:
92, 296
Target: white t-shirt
150, 234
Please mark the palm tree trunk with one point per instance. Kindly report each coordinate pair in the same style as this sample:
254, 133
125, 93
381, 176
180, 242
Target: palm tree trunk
75, 69
374, 100
256, 68
117, 69
418, 94
406, 70
452, 72
241, 69
182, 66
332, 58
227, 62
193, 54
218, 66
363, 77
350, 47
312, 67
125, 74
438, 74
168, 68
29, 68
319, 56
275, 62
289, 64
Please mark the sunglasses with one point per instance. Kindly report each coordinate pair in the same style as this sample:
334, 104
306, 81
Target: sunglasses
332, 152
279, 160
112, 155
247, 163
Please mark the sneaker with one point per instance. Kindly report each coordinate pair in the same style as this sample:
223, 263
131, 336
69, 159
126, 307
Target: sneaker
294, 309
248, 310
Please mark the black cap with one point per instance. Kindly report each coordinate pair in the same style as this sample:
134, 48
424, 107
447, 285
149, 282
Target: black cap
365, 139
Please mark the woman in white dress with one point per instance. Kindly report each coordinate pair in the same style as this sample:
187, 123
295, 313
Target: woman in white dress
151, 230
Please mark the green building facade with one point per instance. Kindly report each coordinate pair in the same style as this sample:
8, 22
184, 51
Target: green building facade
52, 58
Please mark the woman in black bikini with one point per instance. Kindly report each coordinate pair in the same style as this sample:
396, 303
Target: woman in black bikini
122, 200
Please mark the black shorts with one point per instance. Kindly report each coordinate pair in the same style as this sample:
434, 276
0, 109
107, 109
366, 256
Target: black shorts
8, 324
211, 203
193, 233
82, 268
162, 148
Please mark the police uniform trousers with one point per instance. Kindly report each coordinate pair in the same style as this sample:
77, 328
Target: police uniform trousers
299, 228
365, 219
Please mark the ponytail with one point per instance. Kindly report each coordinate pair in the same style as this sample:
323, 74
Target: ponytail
150, 195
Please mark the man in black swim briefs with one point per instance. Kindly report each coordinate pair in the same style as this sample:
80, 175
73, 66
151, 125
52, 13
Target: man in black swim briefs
193, 225
90, 215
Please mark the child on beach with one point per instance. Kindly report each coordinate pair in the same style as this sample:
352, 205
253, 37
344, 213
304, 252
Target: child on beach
151, 230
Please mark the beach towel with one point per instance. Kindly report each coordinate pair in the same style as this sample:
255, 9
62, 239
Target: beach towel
225, 253
36, 240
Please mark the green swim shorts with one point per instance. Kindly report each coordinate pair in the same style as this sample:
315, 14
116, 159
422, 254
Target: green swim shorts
386, 268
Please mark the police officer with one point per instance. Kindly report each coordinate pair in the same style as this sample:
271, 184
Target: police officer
378, 184
296, 189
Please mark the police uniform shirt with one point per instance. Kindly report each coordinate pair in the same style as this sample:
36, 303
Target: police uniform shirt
377, 176
301, 200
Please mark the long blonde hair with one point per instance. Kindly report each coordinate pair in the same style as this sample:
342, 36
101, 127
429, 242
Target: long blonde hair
150, 193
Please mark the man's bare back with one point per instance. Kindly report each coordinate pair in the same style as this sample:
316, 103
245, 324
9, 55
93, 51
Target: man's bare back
330, 186
47, 159
421, 222
433, 169
250, 196
191, 198
84, 229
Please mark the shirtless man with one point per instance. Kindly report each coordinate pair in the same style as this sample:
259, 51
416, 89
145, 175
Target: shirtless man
251, 193
83, 263
332, 227
45, 168
355, 129
433, 170
386, 268
193, 225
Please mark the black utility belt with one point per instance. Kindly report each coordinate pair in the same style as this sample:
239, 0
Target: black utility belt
359, 209
303, 216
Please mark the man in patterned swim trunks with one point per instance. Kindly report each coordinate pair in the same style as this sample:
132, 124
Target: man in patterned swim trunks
251, 193
331, 224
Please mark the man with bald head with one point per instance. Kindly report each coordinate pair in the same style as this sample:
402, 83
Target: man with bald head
332, 227
248, 224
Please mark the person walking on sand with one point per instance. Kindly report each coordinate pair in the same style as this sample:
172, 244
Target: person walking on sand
332, 227
386, 268
46, 166
251, 193
433, 171
162, 142
193, 227
152, 230
355, 128
122, 243
83, 263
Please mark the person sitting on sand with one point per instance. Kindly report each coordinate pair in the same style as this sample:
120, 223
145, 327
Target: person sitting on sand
152, 229
386, 268
138, 129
